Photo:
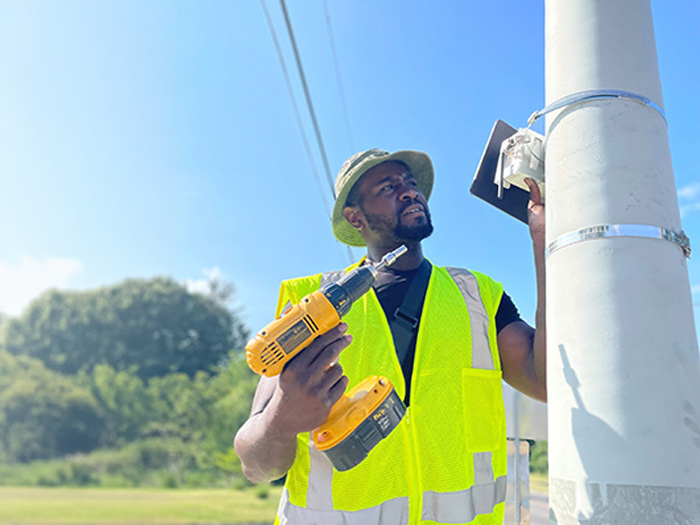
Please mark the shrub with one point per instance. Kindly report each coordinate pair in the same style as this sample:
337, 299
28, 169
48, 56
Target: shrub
262, 491
539, 458
43, 414
169, 481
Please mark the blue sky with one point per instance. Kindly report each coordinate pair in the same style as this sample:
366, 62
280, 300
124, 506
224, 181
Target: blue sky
143, 138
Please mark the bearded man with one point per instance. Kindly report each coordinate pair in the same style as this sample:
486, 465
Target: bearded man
446, 461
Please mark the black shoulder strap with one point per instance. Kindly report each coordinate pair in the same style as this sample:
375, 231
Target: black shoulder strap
404, 324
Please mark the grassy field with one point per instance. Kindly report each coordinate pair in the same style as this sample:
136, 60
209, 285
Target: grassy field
539, 483
94, 506
64, 506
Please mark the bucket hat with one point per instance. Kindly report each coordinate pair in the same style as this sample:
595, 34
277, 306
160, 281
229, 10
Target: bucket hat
418, 163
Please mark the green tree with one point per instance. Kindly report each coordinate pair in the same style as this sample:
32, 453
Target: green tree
124, 400
207, 409
204, 411
4, 321
539, 457
44, 414
156, 326
181, 406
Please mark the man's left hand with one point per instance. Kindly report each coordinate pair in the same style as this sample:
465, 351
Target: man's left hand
535, 211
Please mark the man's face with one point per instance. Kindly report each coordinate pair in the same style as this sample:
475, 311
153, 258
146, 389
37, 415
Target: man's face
393, 208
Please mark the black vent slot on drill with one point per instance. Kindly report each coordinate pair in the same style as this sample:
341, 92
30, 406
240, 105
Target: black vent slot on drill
271, 355
310, 324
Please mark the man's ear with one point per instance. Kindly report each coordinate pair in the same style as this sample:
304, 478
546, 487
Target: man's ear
354, 216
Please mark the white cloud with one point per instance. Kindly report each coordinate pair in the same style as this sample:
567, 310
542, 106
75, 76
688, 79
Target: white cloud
695, 289
202, 285
686, 209
689, 198
690, 191
27, 279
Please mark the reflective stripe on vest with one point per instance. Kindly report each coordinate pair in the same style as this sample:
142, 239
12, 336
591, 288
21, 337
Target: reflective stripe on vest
469, 288
464, 505
319, 494
392, 512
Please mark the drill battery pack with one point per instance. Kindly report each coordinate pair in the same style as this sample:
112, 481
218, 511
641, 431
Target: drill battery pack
373, 409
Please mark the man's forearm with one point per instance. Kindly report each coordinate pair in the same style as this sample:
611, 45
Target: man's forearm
536, 222
540, 341
264, 453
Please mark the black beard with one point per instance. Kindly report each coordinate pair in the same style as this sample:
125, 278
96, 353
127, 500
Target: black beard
414, 233
400, 231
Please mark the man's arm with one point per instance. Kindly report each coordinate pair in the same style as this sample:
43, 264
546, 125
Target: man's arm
297, 400
523, 349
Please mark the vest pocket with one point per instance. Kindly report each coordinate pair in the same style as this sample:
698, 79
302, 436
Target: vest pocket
484, 415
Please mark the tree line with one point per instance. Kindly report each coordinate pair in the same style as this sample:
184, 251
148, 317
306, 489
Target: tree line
141, 361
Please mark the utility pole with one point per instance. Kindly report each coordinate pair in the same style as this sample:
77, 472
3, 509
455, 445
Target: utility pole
623, 370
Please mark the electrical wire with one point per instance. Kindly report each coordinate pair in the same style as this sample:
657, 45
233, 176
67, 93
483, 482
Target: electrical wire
296, 109
307, 94
337, 75
297, 114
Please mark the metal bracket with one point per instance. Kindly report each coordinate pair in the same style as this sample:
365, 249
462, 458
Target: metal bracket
596, 94
621, 230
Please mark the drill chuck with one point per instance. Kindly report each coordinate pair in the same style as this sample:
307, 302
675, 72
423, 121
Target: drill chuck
343, 293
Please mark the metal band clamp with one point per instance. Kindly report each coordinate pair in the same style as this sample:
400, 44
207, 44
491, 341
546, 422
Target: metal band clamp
596, 94
621, 230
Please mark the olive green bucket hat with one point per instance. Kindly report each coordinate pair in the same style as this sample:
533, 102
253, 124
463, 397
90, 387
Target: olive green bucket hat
418, 163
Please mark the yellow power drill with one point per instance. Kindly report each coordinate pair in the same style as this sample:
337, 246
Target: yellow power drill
368, 412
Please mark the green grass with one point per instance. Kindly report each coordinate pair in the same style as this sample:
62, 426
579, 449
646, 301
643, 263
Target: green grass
539, 483
95, 506
98, 506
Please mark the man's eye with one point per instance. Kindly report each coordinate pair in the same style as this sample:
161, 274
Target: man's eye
387, 187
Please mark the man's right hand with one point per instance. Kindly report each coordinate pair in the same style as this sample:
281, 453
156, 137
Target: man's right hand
297, 400
310, 384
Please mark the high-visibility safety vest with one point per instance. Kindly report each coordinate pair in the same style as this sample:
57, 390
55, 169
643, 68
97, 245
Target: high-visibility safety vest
446, 461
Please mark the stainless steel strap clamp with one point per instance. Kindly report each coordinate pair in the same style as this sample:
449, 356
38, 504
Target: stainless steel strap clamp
596, 94
621, 230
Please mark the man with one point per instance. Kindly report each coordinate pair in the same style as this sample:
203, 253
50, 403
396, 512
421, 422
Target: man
446, 460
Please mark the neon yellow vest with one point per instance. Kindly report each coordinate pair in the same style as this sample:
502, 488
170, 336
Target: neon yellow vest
446, 461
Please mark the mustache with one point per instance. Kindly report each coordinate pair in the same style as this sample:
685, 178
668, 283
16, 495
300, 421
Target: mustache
412, 203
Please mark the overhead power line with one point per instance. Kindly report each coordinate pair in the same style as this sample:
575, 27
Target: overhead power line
297, 114
307, 94
337, 75
312, 113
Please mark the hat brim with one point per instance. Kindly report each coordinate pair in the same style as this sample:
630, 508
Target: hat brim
420, 166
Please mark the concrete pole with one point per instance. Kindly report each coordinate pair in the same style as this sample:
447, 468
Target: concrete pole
623, 371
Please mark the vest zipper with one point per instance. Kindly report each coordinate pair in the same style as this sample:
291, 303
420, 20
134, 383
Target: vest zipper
415, 498
415, 494
415, 512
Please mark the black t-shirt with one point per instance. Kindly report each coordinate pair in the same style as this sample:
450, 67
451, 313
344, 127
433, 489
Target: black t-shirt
391, 287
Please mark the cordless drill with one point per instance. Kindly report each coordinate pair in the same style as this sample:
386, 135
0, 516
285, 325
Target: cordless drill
369, 411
